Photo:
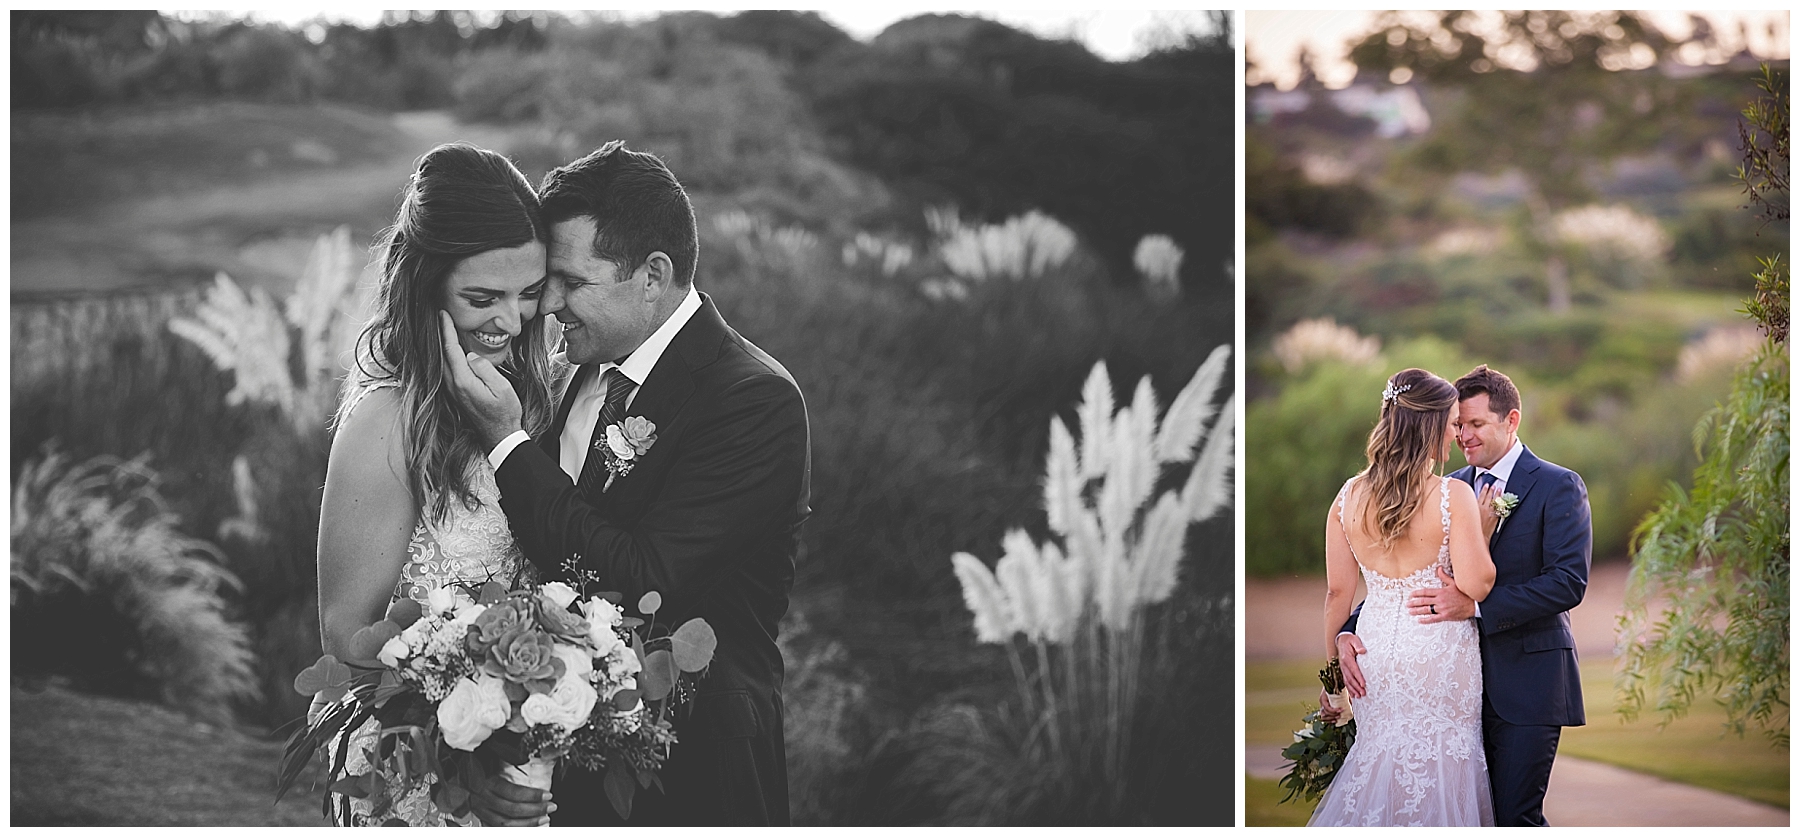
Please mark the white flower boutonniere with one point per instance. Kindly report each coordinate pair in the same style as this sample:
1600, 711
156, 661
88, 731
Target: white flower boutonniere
1503, 507
623, 444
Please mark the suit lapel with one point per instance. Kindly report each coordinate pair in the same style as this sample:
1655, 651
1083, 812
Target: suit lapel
667, 389
1518, 484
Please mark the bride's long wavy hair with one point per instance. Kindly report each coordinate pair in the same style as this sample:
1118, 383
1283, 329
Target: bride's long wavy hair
1406, 441
462, 201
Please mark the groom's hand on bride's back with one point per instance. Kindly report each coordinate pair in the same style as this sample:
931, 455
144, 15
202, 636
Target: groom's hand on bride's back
503, 803
1440, 604
485, 395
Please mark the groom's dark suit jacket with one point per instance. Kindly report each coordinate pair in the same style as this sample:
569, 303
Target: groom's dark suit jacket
710, 518
1542, 553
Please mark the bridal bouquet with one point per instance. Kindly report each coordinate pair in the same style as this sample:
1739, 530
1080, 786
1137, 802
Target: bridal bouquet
495, 680
1319, 747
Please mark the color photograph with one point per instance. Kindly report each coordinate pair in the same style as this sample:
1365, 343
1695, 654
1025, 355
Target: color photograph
635, 418
1516, 418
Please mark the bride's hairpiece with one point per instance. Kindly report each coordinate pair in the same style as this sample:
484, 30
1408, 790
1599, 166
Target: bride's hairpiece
1392, 392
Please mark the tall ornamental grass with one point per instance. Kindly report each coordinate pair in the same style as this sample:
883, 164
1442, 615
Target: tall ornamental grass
108, 592
1072, 611
285, 362
1024, 247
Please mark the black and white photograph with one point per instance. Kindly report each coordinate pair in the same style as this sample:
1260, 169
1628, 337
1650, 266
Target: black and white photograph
781, 418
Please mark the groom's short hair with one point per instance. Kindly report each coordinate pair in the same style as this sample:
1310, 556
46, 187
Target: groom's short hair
1503, 397
637, 205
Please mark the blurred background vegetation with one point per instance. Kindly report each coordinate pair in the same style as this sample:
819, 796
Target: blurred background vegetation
1577, 226
851, 197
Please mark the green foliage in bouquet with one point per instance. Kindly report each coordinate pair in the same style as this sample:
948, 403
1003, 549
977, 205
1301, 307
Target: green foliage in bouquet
107, 591
1319, 748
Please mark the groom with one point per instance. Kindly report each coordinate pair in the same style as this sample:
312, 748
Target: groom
1542, 552
710, 514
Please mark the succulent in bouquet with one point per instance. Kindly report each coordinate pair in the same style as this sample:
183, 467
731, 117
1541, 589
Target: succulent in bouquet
485, 680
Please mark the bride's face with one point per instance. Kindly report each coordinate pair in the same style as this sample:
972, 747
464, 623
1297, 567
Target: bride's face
492, 295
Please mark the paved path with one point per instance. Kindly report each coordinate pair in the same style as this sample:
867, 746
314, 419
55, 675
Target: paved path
1281, 621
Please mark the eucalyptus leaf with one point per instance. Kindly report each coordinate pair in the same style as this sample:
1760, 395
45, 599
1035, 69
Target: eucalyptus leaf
366, 643
404, 612
650, 603
659, 675
694, 643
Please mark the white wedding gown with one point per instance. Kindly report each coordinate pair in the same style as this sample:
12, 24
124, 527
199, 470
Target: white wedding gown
470, 546
1418, 757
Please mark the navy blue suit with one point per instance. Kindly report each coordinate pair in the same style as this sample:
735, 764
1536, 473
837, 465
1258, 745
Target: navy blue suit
1532, 684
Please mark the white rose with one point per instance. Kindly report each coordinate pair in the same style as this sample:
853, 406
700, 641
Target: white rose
597, 609
393, 652
603, 637
558, 592
567, 706
472, 711
538, 709
615, 439
441, 600
576, 660
468, 614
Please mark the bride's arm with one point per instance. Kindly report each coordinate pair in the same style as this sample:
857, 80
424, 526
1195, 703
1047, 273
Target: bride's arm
1468, 546
1340, 580
365, 521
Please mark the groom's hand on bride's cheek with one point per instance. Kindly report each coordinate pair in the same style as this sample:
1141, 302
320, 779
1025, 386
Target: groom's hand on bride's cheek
485, 395
503, 803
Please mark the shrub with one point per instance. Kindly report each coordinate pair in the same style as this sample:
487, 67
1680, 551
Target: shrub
107, 591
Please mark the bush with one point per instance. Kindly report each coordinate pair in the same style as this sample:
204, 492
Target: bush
106, 590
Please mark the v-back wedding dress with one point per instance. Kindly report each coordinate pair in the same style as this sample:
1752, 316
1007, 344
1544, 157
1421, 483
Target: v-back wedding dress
1418, 758
470, 546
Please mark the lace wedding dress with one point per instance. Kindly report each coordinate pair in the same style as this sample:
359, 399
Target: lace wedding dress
469, 546
1418, 756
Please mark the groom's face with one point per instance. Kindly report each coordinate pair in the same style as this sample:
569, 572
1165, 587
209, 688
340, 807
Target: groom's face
1484, 436
605, 310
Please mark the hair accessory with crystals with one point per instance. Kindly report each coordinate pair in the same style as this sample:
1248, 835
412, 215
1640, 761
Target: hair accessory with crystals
1392, 392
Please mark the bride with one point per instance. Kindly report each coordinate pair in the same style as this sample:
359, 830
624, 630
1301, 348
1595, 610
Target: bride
1417, 758
410, 503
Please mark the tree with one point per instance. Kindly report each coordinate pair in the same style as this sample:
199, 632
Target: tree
1722, 549
1543, 93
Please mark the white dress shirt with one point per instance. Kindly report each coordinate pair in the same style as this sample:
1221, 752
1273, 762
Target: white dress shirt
585, 411
1503, 469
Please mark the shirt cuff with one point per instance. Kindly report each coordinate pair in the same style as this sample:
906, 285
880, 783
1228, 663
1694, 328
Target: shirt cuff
1478, 610
505, 447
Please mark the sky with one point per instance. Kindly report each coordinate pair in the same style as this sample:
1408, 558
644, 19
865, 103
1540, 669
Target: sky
1112, 34
1272, 40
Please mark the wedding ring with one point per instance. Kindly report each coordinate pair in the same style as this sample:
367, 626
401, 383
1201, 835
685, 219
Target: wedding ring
1434, 610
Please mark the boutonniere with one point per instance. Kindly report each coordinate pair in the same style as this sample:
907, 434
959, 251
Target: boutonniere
623, 444
1503, 507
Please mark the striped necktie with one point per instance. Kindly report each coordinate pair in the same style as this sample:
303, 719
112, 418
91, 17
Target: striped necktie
593, 469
